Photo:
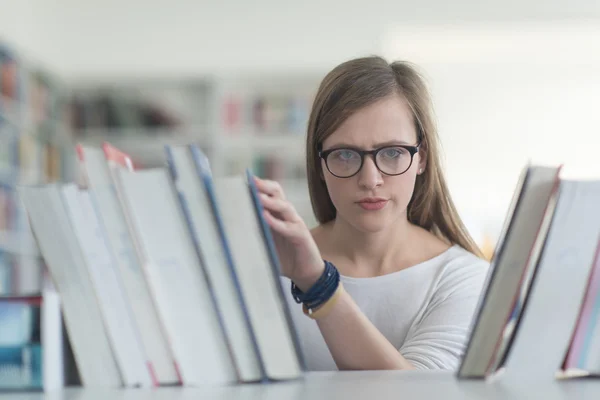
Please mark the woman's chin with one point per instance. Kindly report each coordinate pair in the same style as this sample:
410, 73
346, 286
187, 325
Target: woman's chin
371, 223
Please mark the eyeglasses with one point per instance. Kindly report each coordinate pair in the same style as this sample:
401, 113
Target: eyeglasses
389, 160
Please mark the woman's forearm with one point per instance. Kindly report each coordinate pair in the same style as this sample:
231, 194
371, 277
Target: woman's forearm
354, 342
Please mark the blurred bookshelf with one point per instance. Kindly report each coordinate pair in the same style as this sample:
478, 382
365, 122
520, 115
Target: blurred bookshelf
256, 122
35, 148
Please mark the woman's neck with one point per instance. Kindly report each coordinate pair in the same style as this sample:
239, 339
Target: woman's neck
369, 253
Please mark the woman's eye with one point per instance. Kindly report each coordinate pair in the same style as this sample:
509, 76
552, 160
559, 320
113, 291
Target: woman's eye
346, 155
392, 153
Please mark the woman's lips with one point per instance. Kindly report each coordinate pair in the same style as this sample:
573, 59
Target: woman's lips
372, 203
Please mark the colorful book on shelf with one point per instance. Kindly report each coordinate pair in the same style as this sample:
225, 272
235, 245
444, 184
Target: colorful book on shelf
31, 343
512, 270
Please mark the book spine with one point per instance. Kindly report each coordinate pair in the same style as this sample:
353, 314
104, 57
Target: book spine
203, 170
196, 245
275, 268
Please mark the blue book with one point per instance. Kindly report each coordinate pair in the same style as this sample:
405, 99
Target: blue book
249, 369
255, 266
257, 272
275, 263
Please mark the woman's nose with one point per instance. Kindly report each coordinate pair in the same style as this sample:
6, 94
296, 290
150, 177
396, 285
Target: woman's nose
369, 176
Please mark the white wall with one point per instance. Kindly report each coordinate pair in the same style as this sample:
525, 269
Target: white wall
505, 96
17, 25
95, 37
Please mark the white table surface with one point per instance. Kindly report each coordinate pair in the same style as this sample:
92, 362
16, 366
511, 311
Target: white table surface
371, 385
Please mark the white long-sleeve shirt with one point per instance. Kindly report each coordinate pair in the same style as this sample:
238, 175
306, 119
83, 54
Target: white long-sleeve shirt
425, 311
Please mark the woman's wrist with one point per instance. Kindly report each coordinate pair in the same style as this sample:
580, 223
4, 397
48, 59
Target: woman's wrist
309, 276
321, 292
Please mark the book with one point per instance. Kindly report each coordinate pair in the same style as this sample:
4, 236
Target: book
97, 167
552, 308
108, 289
193, 184
57, 241
31, 343
257, 266
583, 356
174, 272
512, 269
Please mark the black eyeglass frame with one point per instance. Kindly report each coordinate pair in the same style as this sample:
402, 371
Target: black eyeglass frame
323, 154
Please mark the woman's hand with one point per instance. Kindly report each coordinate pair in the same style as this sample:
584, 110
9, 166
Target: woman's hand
298, 253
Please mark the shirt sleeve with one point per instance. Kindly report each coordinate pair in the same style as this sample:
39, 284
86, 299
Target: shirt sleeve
437, 340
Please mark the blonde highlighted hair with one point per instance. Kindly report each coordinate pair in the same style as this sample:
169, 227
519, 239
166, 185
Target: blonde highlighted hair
360, 82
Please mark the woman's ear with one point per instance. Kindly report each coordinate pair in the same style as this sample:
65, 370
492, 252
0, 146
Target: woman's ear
422, 159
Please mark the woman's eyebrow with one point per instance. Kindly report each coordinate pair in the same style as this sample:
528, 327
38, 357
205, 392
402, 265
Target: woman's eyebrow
393, 143
378, 145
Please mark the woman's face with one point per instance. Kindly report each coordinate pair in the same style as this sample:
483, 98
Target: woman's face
371, 201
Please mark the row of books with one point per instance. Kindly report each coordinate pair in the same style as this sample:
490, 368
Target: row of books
119, 112
9, 74
266, 114
31, 111
276, 167
539, 313
167, 276
27, 88
34, 148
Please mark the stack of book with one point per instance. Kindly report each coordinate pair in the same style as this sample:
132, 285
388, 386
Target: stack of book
166, 276
539, 313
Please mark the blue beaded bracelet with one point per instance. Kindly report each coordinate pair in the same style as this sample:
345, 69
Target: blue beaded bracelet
321, 290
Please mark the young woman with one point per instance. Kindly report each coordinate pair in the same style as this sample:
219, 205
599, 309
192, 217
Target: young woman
390, 278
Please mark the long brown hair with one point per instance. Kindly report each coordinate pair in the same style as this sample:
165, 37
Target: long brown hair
355, 84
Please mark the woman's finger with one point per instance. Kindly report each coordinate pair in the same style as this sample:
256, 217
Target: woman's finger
276, 224
272, 188
280, 206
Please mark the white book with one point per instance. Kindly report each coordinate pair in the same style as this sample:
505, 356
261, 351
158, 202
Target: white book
120, 243
93, 353
553, 304
174, 271
513, 267
52, 341
259, 281
115, 309
214, 254
584, 352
